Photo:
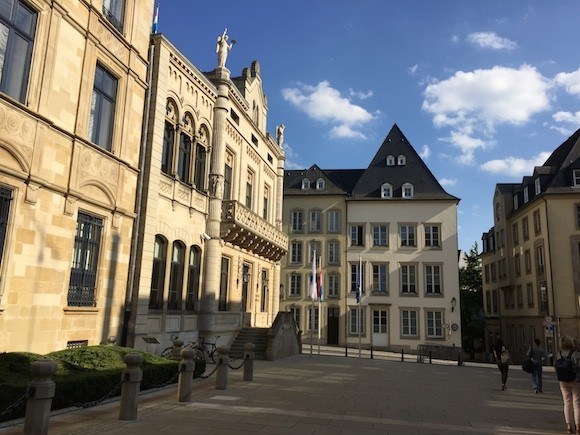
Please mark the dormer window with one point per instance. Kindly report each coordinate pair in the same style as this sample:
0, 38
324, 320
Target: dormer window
407, 190
526, 195
390, 160
401, 161
306, 184
386, 191
516, 202
576, 178
320, 184
537, 186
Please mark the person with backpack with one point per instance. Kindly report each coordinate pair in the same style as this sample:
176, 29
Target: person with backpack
537, 355
567, 359
502, 359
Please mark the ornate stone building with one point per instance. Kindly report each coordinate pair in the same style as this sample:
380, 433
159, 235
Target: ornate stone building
209, 239
72, 93
389, 229
531, 256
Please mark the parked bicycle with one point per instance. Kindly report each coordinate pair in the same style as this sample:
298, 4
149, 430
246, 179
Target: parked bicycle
201, 351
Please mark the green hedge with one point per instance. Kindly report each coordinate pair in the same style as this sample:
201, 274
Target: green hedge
84, 375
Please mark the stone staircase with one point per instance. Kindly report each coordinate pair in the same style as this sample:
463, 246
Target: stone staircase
258, 336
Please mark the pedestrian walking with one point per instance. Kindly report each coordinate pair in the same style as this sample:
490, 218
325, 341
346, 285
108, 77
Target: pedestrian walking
567, 359
537, 355
502, 359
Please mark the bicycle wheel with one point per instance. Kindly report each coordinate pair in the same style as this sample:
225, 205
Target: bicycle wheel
167, 352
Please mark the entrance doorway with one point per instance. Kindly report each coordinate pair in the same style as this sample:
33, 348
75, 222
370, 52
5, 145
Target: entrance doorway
332, 327
380, 329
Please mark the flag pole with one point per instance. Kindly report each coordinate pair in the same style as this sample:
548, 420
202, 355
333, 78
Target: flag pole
313, 293
359, 317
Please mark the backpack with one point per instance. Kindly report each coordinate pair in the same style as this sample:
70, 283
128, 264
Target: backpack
565, 368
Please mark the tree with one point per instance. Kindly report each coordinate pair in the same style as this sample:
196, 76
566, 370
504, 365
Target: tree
471, 295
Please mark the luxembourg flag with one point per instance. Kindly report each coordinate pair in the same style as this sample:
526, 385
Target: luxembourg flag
156, 19
313, 285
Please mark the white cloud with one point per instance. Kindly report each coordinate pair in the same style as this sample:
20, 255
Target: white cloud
491, 40
571, 81
324, 103
425, 152
515, 167
413, 69
291, 156
567, 117
448, 181
362, 95
472, 104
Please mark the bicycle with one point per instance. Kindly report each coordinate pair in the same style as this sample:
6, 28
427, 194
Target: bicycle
198, 354
200, 351
209, 354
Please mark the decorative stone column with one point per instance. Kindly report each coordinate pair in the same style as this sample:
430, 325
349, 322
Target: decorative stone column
213, 247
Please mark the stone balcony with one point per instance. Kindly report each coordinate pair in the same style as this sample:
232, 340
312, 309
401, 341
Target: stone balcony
246, 229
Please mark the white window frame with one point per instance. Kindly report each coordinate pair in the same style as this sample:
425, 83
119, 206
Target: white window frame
333, 285
433, 279
312, 324
380, 285
305, 184
386, 191
354, 236
429, 235
537, 186
409, 323
296, 252
380, 322
381, 235
406, 241
576, 178
320, 184
333, 221
526, 194
407, 191
390, 160
315, 221
333, 252
356, 320
401, 160
434, 324
297, 221
296, 315
295, 284
408, 279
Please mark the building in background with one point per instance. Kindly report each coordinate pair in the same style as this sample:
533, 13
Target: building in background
209, 239
531, 256
72, 95
390, 229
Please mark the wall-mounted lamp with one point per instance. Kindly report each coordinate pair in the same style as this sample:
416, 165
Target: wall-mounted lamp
205, 237
453, 303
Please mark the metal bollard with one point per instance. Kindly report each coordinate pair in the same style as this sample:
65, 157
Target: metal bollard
430, 356
41, 389
132, 377
459, 363
402, 355
221, 379
371, 352
346, 350
185, 382
249, 356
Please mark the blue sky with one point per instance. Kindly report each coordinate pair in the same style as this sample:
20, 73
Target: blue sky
483, 90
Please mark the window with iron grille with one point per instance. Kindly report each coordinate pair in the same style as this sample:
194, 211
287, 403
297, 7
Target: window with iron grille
75, 344
114, 11
158, 273
17, 28
5, 199
103, 108
83, 276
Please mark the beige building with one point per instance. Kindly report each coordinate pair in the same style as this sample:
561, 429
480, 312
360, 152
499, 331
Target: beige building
209, 239
74, 80
531, 256
389, 230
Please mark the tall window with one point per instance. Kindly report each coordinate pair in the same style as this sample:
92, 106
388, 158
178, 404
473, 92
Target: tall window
297, 221
103, 108
333, 285
407, 235
433, 279
167, 153
380, 278
184, 151
158, 273
224, 284
264, 296
296, 252
5, 200
380, 321
355, 275
530, 292
113, 10
333, 253
432, 238
528, 261
577, 216
576, 177
176, 276
541, 267
537, 223
409, 323
516, 234
315, 221
193, 272
525, 228
537, 186
380, 235
17, 27
83, 276
333, 221
408, 278
357, 321
295, 284
228, 176
434, 324
357, 235
249, 189
295, 311
266, 202
517, 265
313, 319
314, 246
199, 167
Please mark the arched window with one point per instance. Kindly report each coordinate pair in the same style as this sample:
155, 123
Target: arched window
184, 151
390, 160
408, 190
193, 272
176, 276
158, 273
306, 184
320, 184
386, 191
200, 160
168, 137
401, 161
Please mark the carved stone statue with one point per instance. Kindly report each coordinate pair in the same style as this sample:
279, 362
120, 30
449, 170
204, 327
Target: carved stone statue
280, 134
222, 48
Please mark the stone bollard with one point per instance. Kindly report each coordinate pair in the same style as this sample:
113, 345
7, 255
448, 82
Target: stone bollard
249, 355
176, 351
221, 379
41, 389
185, 383
132, 377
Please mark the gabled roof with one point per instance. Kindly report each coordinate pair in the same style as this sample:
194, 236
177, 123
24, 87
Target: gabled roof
336, 182
561, 162
414, 171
